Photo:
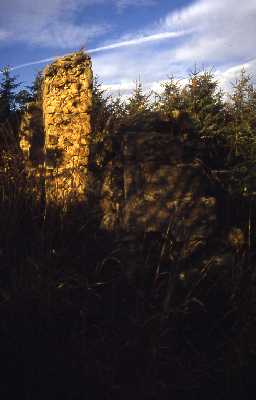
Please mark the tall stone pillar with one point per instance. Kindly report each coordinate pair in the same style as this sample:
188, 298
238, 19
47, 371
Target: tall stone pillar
67, 102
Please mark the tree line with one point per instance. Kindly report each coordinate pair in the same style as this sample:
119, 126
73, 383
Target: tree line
14, 97
222, 125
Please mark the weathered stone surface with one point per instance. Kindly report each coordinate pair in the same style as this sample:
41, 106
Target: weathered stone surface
154, 177
67, 101
151, 187
55, 135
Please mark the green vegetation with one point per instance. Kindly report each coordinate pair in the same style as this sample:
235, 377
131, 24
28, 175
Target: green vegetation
75, 323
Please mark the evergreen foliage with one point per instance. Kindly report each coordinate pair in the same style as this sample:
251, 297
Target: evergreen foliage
8, 88
204, 103
242, 134
36, 89
170, 99
138, 102
22, 98
222, 128
101, 111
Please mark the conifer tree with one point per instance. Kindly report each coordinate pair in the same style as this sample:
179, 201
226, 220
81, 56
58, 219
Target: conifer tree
33, 93
242, 134
117, 107
170, 100
100, 108
242, 108
139, 102
36, 88
100, 120
203, 100
22, 98
8, 87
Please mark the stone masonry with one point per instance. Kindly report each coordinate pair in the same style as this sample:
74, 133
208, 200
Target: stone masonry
67, 102
151, 185
55, 135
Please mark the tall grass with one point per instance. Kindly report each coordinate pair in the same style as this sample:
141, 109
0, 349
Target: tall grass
75, 324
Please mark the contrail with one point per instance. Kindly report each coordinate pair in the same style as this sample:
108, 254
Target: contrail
140, 40
126, 43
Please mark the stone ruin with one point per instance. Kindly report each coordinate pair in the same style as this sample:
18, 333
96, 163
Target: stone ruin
146, 184
151, 186
55, 135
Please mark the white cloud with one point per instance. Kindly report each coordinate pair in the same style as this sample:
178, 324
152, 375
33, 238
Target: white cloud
65, 35
228, 76
216, 33
123, 86
116, 45
52, 23
48, 23
120, 68
3, 35
222, 30
221, 35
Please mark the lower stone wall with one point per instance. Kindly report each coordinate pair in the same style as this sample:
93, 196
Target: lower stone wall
151, 187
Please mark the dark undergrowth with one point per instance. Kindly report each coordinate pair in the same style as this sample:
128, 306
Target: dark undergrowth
81, 317
74, 324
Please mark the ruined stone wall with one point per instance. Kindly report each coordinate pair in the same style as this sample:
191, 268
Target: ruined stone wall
158, 188
67, 101
147, 184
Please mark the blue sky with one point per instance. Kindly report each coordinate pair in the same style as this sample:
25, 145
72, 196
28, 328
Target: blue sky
155, 38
